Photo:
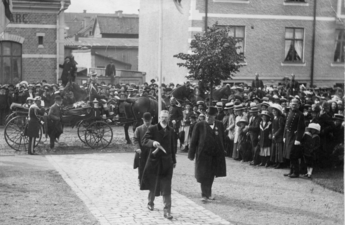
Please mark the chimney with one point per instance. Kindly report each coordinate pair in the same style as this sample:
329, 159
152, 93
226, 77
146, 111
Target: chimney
119, 13
84, 11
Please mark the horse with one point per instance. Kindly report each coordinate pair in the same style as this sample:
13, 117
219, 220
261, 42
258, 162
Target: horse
224, 92
183, 92
134, 109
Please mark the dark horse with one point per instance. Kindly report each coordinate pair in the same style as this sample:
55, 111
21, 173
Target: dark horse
224, 92
183, 93
134, 108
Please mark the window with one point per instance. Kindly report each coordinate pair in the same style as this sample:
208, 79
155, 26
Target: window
40, 40
339, 46
10, 62
238, 33
294, 45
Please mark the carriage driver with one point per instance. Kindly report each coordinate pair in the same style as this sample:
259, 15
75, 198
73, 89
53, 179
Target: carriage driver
93, 90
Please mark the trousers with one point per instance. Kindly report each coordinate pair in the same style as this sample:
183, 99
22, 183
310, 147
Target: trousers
206, 187
295, 155
31, 145
166, 201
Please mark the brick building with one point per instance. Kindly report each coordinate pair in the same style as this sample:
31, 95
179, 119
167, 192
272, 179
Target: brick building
31, 47
276, 37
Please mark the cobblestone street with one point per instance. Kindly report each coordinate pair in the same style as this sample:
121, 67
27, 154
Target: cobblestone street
109, 188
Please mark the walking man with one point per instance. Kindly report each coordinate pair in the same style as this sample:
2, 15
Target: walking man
161, 160
142, 152
207, 147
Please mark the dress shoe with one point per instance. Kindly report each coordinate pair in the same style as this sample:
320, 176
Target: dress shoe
278, 166
261, 164
287, 174
150, 207
267, 165
168, 216
294, 176
212, 198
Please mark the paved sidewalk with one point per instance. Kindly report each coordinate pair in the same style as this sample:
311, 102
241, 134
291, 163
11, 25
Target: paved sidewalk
108, 186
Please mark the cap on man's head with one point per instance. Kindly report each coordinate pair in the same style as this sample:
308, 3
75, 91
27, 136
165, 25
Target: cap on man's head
147, 116
212, 111
294, 101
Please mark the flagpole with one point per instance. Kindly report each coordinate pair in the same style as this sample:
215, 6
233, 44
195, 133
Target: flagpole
160, 27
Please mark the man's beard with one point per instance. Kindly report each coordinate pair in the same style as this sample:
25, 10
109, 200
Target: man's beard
164, 122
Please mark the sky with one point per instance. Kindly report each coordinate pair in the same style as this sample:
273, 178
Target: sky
104, 6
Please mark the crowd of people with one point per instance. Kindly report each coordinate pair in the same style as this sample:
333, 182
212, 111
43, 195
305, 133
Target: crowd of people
287, 126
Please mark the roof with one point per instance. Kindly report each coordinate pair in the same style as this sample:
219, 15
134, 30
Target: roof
102, 42
109, 57
72, 16
118, 25
73, 27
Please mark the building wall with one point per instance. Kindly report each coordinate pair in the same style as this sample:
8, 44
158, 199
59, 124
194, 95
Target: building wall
127, 55
265, 22
38, 62
175, 39
103, 62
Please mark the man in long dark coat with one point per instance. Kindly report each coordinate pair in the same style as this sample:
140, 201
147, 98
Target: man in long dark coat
142, 152
293, 86
54, 122
158, 171
293, 133
207, 147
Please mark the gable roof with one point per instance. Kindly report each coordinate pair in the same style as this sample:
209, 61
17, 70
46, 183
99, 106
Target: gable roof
102, 42
118, 25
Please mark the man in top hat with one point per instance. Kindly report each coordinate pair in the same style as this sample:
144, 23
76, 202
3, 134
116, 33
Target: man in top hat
253, 131
207, 148
257, 83
293, 133
142, 152
158, 170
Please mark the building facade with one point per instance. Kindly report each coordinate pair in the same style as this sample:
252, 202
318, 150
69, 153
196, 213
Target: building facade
31, 47
278, 37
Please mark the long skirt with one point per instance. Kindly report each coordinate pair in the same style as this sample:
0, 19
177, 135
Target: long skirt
277, 153
265, 151
235, 152
186, 138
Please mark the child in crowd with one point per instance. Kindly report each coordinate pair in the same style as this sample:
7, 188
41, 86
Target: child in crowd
243, 145
265, 138
310, 143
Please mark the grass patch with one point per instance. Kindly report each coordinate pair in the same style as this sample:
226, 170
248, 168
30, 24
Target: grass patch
332, 179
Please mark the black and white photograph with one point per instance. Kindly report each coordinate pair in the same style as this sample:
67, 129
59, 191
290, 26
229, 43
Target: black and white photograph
158, 112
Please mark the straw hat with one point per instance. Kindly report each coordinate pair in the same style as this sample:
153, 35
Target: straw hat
242, 120
314, 126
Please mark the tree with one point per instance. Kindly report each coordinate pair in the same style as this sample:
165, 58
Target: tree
215, 57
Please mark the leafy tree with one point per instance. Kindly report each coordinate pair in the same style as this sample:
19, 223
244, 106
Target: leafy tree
214, 57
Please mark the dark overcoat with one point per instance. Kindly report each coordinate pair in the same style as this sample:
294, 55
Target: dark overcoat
34, 124
278, 124
294, 130
265, 132
158, 170
254, 128
207, 147
140, 159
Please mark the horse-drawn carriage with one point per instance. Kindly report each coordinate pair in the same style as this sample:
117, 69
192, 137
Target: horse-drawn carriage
93, 127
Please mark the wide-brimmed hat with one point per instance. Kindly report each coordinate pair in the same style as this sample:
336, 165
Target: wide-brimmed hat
219, 104
254, 109
282, 99
238, 107
265, 113
338, 117
277, 107
314, 126
242, 120
267, 104
229, 105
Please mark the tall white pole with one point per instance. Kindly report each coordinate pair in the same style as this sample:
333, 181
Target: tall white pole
160, 40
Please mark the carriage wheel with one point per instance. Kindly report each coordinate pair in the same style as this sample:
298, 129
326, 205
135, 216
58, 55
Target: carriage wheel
98, 135
14, 134
82, 126
10, 116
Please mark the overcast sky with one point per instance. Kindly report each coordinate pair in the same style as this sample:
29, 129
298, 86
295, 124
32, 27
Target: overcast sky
104, 6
